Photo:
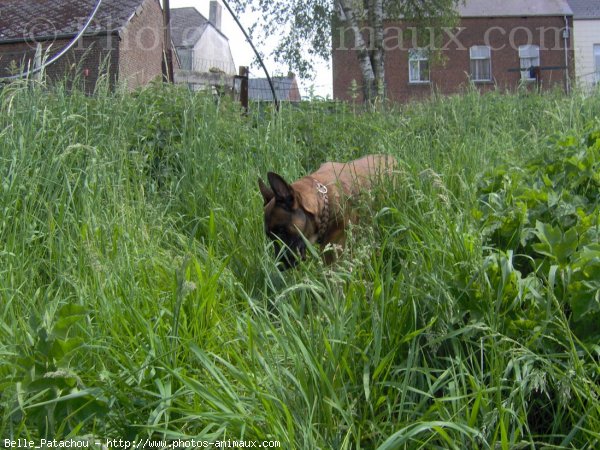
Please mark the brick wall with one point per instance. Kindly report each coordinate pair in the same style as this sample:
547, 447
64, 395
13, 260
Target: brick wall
84, 63
141, 49
451, 73
134, 57
294, 95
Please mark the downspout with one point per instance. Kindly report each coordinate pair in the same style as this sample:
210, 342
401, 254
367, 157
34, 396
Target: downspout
566, 35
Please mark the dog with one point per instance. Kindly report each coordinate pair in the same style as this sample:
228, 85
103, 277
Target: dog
317, 208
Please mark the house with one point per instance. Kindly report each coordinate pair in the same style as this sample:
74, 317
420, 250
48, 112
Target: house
125, 39
497, 44
286, 89
202, 48
586, 34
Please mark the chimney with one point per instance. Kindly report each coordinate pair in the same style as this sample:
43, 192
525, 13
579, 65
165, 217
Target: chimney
215, 14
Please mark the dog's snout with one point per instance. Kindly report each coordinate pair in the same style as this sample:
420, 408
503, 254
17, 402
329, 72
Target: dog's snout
289, 254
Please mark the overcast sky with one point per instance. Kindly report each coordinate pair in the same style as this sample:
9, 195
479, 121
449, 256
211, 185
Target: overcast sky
243, 54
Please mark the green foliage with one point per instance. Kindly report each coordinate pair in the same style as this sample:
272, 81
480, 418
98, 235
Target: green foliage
48, 393
548, 210
139, 298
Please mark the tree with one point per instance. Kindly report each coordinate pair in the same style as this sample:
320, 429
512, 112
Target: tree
304, 30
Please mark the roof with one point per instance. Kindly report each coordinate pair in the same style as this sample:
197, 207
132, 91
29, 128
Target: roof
23, 20
585, 9
509, 8
259, 88
187, 25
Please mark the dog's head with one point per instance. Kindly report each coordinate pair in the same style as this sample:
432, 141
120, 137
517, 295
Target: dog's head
288, 222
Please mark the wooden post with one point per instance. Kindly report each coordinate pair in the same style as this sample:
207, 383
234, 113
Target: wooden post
168, 54
243, 75
37, 62
537, 73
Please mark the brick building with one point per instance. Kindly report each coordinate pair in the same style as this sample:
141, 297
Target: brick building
496, 44
124, 41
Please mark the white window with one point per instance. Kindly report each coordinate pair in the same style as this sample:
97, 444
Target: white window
529, 56
597, 61
481, 63
418, 65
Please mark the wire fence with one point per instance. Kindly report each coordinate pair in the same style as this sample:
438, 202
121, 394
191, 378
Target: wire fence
589, 79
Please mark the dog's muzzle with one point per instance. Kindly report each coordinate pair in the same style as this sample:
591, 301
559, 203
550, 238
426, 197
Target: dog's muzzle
289, 254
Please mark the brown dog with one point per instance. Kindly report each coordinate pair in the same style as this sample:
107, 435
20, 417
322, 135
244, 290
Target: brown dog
318, 206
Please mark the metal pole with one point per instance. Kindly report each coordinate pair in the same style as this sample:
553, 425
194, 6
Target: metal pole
566, 36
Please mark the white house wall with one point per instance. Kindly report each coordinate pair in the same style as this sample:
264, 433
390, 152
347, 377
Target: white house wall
212, 51
586, 34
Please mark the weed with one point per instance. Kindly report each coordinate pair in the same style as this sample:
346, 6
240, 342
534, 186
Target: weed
139, 298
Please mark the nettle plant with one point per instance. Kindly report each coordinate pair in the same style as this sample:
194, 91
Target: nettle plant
46, 386
546, 215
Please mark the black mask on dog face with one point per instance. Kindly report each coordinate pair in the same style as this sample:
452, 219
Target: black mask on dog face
288, 247
285, 221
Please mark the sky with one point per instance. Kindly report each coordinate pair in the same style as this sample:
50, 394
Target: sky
243, 54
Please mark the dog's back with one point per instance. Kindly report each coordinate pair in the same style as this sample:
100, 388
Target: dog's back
355, 175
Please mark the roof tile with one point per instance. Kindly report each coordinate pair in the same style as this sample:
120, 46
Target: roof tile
47, 18
585, 9
187, 24
508, 8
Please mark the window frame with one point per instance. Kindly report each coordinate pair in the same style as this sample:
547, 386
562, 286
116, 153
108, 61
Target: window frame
419, 56
474, 60
532, 60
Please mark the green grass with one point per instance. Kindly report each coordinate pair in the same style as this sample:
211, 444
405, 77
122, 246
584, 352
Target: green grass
139, 298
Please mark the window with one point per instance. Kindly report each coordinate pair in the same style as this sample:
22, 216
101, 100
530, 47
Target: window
597, 62
418, 65
481, 63
185, 58
529, 56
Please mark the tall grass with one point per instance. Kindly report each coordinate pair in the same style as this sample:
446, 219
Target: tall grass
139, 298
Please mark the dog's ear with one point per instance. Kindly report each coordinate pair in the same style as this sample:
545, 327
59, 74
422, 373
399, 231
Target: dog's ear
309, 203
266, 191
284, 193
